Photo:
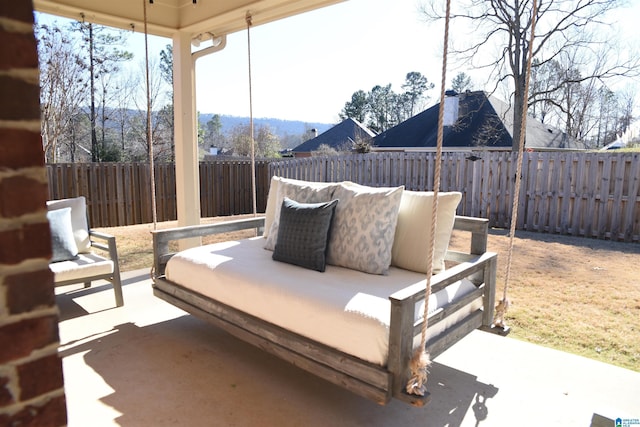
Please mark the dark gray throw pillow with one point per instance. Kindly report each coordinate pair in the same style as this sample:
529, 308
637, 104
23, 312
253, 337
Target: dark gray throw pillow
303, 233
63, 244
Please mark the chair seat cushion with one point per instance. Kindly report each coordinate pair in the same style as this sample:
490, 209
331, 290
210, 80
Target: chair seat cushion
86, 265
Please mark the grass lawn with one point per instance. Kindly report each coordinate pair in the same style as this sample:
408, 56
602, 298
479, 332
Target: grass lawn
573, 294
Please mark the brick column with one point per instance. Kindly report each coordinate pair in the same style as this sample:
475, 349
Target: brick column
31, 383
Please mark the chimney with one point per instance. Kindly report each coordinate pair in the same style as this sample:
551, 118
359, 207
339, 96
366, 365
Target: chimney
450, 107
314, 131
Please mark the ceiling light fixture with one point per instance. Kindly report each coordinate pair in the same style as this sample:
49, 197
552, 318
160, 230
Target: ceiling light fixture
203, 37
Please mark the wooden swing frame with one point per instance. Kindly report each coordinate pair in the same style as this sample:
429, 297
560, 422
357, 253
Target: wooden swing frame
377, 383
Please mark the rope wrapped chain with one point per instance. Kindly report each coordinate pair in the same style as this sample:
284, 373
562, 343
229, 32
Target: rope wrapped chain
420, 362
503, 305
419, 366
501, 311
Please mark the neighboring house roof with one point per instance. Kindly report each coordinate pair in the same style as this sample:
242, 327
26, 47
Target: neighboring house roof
472, 120
342, 135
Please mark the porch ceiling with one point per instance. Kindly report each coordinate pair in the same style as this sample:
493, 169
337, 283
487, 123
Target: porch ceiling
165, 17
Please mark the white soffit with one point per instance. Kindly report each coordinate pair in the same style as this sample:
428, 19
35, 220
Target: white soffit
165, 17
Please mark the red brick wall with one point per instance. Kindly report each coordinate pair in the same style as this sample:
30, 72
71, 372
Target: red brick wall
31, 383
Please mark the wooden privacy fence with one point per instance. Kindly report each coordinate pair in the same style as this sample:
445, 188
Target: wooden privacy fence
120, 193
584, 194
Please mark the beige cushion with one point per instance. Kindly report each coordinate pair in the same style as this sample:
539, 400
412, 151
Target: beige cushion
301, 192
413, 232
79, 222
363, 227
86, 265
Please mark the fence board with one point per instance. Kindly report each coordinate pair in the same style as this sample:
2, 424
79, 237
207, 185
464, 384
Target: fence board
566, 193
632, 224
616, 207
585, 194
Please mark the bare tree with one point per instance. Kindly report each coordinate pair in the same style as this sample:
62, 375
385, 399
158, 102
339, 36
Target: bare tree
63, 88
627, 100
161, 131
584, 107
124, 91
103, 54
505, 25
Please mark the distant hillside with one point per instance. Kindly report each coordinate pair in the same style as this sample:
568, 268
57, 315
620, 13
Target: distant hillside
284, 129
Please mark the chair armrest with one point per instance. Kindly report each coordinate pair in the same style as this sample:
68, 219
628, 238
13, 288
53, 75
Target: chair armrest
105, 242
98, 240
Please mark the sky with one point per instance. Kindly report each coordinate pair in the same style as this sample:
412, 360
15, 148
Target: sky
307, 66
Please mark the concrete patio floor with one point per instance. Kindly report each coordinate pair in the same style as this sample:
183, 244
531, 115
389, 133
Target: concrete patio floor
150, 364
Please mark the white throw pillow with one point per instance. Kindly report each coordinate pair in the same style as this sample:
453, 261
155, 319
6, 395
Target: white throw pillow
299, 191
270, 210
63, 244
363, 227
413, 232
79, 221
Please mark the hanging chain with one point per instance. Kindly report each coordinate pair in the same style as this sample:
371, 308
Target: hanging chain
420, 362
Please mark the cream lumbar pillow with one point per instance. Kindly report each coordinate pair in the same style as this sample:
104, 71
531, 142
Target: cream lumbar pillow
363, 227
413, 232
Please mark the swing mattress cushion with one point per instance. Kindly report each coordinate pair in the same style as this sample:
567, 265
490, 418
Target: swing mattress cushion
342, 308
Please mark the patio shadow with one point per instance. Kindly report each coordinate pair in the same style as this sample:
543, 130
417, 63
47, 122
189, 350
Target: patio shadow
184, 371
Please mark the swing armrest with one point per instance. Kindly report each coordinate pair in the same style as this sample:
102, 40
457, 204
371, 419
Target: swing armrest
479, 267
403, 329
479, 229
417, 291
162, 238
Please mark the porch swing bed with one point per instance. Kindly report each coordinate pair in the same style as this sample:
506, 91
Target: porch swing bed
355, 327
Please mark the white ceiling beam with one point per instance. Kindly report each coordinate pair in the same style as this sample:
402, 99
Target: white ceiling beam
165, 17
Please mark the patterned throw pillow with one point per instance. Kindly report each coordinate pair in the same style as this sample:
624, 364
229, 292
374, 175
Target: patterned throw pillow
63, 244
413, 232
364, 226
303, 233
300, 191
